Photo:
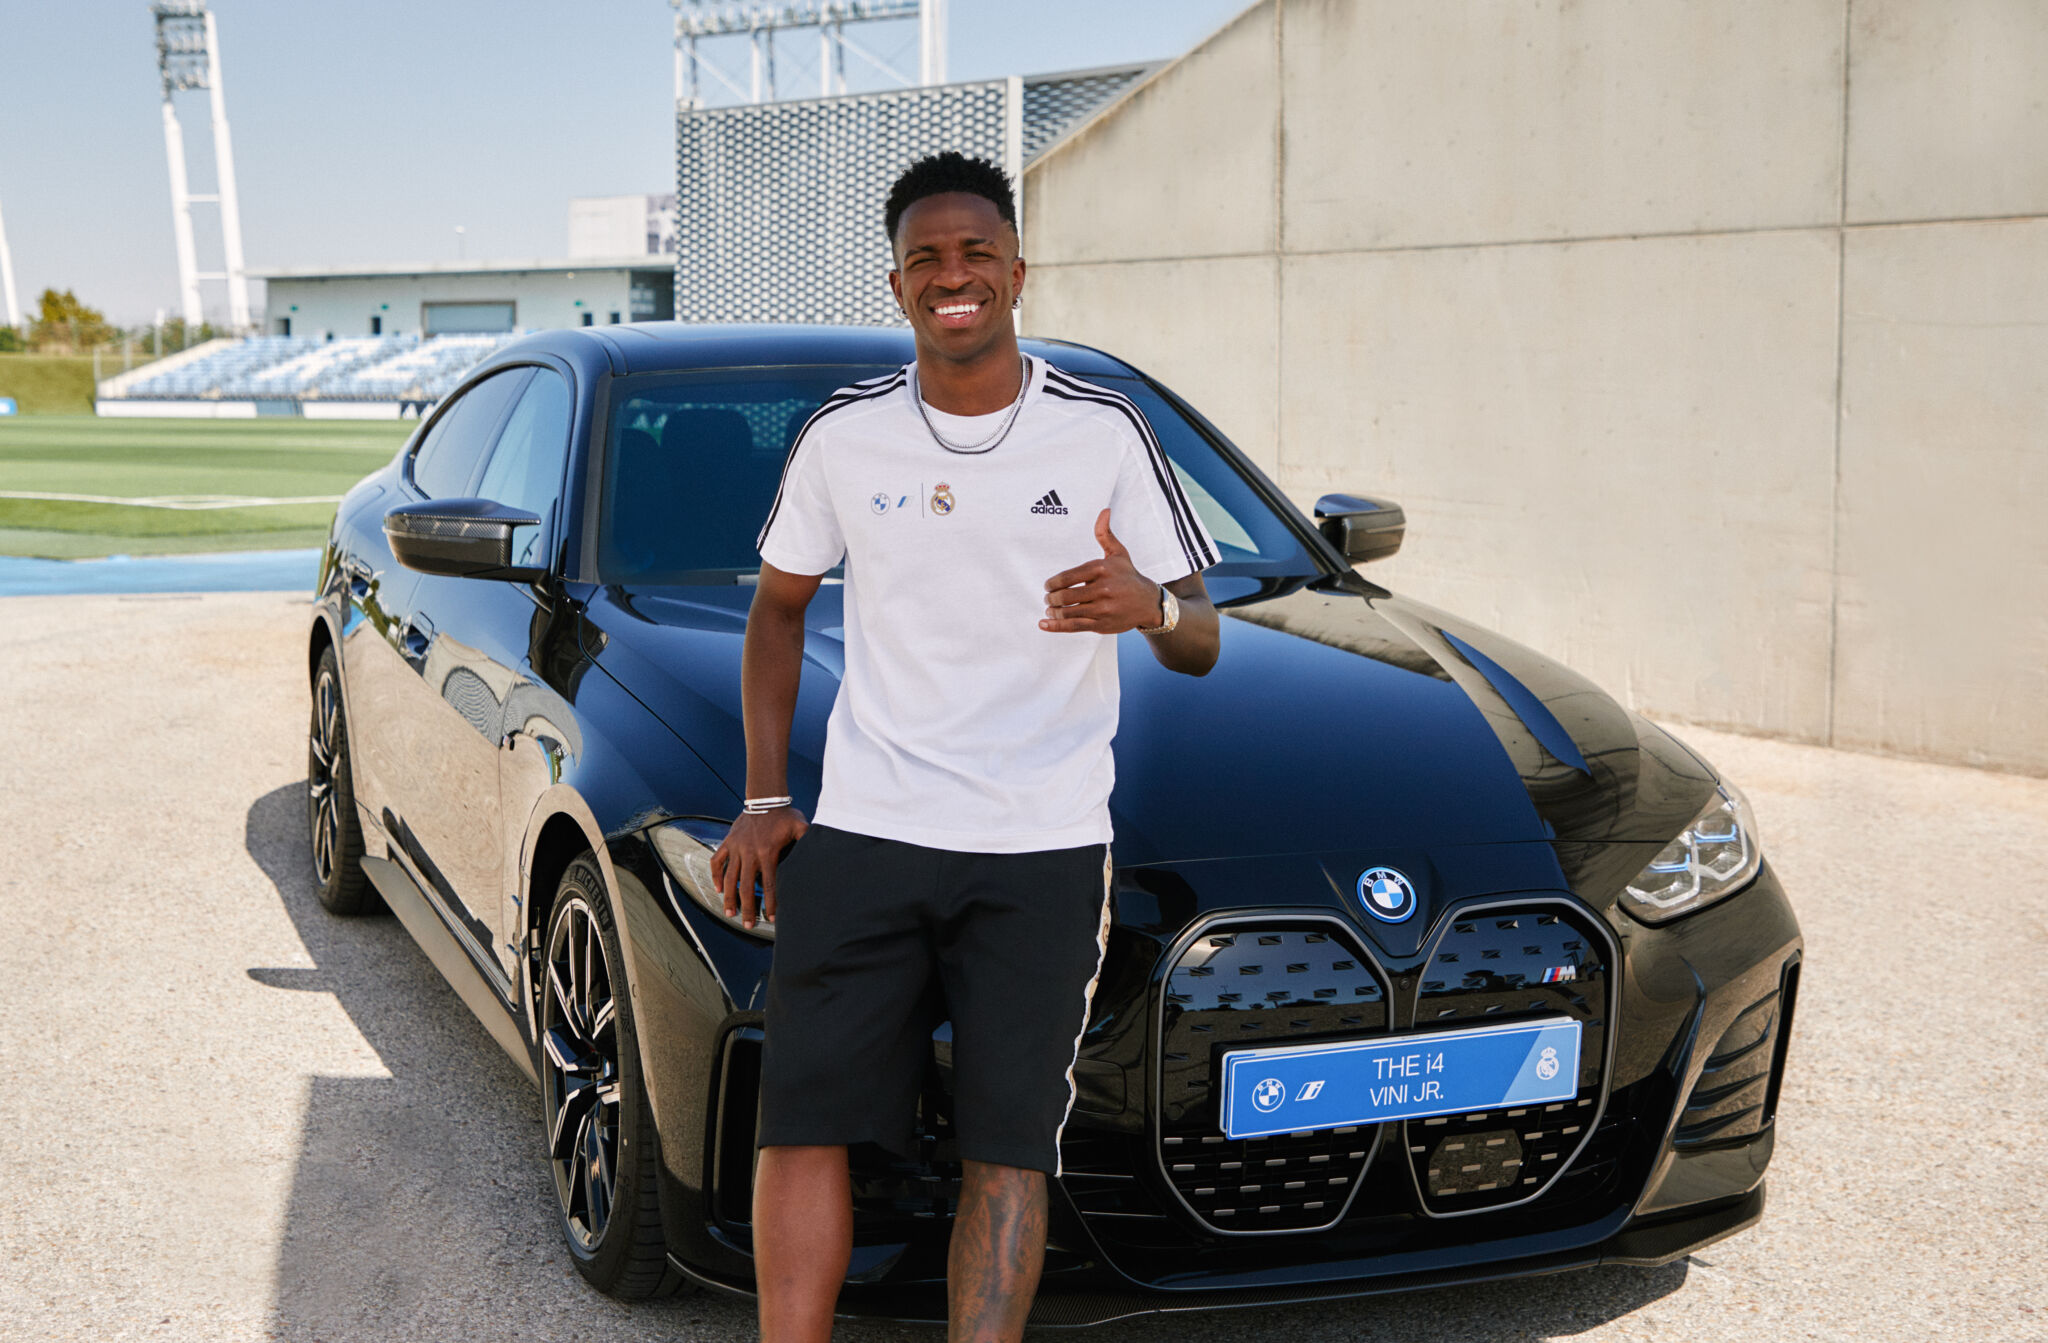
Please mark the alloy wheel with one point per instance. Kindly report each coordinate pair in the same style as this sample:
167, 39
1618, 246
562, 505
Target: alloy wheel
580, 1044
323, 750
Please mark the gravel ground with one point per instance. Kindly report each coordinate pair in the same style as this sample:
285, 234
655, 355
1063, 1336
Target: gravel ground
226, 1115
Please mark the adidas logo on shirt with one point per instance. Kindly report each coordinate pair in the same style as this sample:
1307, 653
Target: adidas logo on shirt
1050, 504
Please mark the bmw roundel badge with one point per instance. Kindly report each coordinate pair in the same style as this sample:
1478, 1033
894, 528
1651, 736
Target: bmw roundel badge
1386, 894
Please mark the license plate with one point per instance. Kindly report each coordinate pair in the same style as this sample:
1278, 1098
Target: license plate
1294, 1088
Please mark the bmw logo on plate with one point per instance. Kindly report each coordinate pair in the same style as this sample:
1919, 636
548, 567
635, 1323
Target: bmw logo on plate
1386, 894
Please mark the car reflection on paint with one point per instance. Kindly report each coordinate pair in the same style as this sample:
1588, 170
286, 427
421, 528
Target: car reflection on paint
1374, 834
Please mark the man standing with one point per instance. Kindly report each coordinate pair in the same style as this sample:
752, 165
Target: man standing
997, 519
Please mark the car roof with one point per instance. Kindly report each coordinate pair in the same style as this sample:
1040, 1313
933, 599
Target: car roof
661, 347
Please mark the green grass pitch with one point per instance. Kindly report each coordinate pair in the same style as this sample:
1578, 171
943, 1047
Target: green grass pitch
262, 458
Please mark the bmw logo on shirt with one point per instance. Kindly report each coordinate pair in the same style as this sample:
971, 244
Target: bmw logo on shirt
1386, 894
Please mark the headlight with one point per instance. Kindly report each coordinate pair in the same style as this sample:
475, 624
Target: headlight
686, 848
1713, 858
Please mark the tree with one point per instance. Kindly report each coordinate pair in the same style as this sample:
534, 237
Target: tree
67, 324
10, 340
176, 337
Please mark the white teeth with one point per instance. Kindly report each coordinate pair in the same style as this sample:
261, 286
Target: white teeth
957, 309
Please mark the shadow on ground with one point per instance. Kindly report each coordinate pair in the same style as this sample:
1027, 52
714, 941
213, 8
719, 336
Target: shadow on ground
420, 1207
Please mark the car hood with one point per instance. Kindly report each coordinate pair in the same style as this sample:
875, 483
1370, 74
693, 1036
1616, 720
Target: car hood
1339, 718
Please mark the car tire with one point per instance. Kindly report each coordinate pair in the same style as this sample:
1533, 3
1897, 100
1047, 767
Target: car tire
334, 831
603, 1152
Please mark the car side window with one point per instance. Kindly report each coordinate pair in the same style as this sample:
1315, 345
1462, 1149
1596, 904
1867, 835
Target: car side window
446, 460
525, 470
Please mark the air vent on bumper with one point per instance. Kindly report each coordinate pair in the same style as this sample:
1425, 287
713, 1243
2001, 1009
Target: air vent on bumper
1737, 1090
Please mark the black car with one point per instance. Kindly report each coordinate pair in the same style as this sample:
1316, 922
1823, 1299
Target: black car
1371, 846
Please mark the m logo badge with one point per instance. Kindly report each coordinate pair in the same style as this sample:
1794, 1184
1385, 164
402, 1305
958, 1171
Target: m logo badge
942, 499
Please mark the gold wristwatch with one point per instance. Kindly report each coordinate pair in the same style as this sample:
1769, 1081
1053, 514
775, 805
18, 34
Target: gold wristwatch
1169, 613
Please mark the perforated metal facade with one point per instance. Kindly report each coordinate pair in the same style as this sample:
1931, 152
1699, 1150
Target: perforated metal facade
779, 205
1056, 104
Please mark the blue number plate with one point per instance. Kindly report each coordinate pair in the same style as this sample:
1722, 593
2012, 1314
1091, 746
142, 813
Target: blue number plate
1293, 1088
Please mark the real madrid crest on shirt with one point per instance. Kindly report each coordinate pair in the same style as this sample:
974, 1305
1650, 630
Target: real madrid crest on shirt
942, 499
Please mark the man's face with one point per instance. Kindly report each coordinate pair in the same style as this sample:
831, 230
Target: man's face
957, 270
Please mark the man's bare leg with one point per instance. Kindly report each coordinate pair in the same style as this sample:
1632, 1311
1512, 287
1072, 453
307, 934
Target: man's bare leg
803, 1237
997, 1251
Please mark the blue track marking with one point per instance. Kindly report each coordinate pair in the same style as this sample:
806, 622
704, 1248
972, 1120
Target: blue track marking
238, 571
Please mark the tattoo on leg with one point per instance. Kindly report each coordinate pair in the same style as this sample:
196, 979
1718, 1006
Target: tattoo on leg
997, 1251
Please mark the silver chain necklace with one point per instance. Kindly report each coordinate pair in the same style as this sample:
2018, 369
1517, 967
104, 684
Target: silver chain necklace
994, 440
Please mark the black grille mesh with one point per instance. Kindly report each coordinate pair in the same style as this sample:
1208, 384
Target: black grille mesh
1288, 1182
1508, 965
1235, 987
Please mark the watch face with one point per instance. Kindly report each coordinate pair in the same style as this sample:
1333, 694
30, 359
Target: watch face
1169, 613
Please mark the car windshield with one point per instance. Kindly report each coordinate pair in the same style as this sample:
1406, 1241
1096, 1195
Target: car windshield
692, 461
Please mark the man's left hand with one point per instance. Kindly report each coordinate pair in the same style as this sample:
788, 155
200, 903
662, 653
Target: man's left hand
1105, 596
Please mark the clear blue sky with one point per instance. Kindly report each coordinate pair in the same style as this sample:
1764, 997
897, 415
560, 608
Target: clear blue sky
366, 131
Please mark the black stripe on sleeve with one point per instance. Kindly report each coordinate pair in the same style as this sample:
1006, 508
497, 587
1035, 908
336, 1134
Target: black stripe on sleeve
1195, 549
1164, 478
1177, 502
845, 396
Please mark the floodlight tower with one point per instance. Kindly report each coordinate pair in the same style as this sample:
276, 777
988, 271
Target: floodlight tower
188, 57
760, 20
931, 42
7, 278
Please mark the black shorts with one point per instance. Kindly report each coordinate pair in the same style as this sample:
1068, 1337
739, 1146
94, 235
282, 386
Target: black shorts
878, 941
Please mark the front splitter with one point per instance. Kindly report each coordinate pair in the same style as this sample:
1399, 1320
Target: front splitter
1639, 1245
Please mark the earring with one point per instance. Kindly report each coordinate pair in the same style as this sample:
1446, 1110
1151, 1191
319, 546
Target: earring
1017, 302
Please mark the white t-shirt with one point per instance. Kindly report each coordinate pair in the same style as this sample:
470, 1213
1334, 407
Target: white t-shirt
960, 724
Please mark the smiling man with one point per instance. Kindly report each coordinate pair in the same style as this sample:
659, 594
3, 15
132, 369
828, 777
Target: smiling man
1000, 522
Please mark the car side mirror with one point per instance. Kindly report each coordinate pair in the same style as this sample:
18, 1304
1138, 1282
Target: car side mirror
1361, 529
461, 538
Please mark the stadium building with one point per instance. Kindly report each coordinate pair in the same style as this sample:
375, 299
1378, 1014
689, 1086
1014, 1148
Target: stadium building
376, 342
474, 298
382, 341
621, 252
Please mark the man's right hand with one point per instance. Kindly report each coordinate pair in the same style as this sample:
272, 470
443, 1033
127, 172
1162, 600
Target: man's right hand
752, 848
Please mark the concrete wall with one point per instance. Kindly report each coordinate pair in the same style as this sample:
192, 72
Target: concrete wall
1704, 343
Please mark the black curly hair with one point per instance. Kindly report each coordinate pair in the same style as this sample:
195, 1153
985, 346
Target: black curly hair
936, 174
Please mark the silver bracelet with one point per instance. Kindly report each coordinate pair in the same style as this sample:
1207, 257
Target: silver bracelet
757, 805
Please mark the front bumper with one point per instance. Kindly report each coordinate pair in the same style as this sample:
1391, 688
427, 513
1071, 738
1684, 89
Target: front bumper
1700, 1012
1646, 1244
1069, 1304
